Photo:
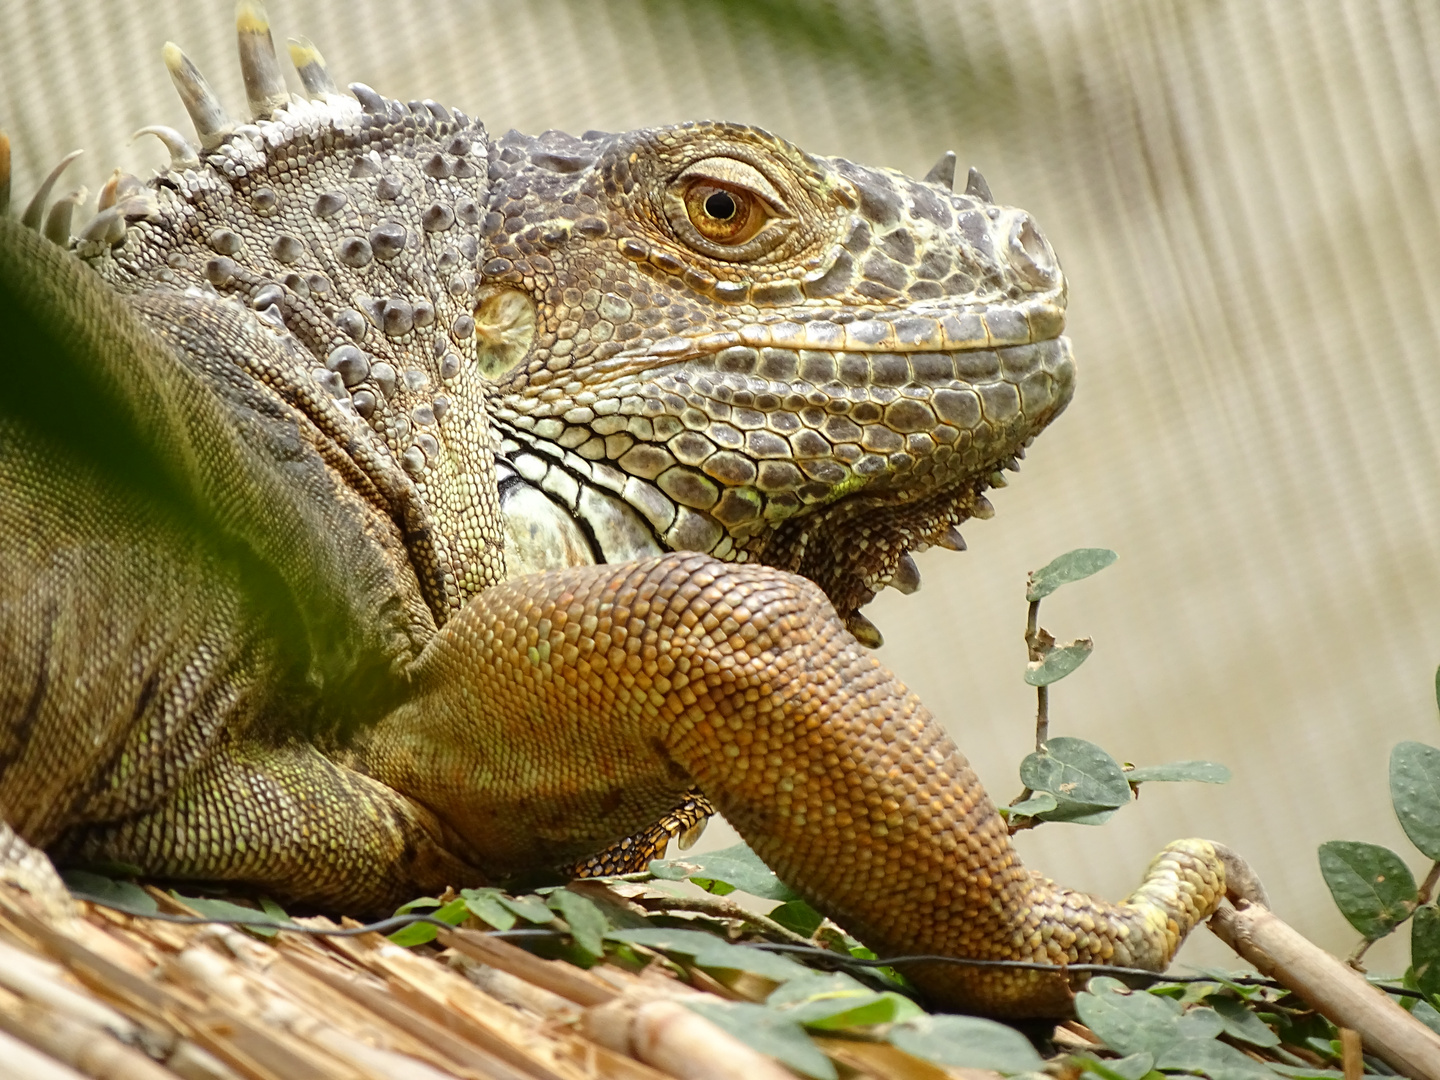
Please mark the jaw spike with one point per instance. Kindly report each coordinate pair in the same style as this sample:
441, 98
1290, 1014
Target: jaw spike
951, 540
206, 112
57, 222
183, 154
4, 174
944, 171
121, 187
36, 209
906, 578
310, 66
976, 186
264, 85
106, 227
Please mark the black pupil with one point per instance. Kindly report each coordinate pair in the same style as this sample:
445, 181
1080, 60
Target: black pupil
720, 205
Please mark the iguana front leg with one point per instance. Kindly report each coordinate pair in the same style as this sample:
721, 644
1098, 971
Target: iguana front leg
572, 705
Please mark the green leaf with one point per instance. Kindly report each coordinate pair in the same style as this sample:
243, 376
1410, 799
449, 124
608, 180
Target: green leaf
1373, 889
419, 933
1078, 773
1134, 1067
416, 904
89, 886
709, 951
853, 1008
485, 905
814, 984
798, 917
767, 1031
1129, 1021
1200, 772
1072, 566
1428, 1015
1041, 803
274, 910
1227, 980
1217, 1060
1241, 1023
1425, 949
966, 1042
737, 866
530, 908
587, 922
1200, 1023
1058, 662
213, 908
1079, 814
1415, 793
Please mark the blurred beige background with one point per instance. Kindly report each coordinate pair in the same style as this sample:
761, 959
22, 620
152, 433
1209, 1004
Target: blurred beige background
1243, 194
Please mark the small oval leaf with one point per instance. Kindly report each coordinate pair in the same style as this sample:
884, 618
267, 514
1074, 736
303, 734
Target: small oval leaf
1129, 1021
1373, 889
736, 866
1200, 772
1072, 566
1415, 793
588, 924
1058, 662
1241, 1023
1076, 771
1037, 804
967, 1042
1425, 949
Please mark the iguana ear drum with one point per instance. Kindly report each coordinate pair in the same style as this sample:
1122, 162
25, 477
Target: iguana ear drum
504, 330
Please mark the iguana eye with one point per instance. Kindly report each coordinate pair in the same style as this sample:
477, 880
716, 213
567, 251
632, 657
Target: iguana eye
724, 215
728, 209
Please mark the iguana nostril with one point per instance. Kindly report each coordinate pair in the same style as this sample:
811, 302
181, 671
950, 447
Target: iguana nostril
1032, 254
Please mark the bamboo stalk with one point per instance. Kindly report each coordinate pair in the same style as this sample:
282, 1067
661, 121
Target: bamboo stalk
1326, 984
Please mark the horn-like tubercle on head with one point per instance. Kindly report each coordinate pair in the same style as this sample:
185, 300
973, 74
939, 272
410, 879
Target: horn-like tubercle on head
976, 186
943, 171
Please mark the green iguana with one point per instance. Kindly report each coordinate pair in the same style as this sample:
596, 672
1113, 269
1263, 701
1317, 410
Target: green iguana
385, 506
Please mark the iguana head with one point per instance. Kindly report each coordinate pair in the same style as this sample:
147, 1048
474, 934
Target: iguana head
789, 359
697, 337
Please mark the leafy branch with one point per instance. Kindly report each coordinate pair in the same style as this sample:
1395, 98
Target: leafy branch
1069, 779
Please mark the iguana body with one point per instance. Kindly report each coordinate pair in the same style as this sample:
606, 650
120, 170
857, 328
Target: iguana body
456, 505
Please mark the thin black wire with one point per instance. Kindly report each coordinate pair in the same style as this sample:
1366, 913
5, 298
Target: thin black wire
399, 922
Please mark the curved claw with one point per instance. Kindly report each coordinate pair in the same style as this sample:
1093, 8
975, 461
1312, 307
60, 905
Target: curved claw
206, 112
943, 172
264, 84
183, 154
864, 631
1241, 881
951, 540
906, 578
35, 211
310, 66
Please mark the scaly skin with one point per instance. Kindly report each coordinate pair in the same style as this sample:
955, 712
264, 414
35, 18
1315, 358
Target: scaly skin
456, 507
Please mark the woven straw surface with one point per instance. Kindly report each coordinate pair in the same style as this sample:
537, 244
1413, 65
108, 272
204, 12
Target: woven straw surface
1242, 195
